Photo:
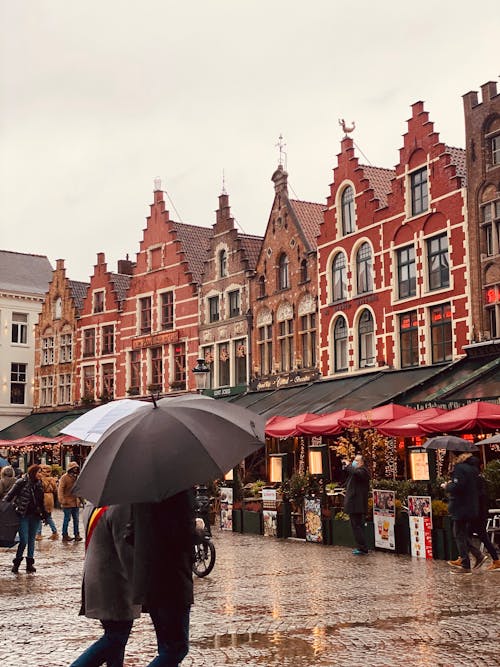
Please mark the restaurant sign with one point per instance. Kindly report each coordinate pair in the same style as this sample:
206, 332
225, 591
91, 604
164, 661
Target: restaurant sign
284, 380
155, 339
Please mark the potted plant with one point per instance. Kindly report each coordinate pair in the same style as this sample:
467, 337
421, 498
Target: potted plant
341, 530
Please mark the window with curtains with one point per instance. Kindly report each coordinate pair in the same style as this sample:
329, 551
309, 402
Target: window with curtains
340, 345
285, 343
19, 332
265, 349
48, 350
364, 269
339, 278
18, 383
407, 280
438, 262
366, 340
307, 335
348, 213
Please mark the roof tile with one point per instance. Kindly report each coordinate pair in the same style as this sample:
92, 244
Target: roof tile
310, 217
23, 272
380, 180
194, 244
78, 292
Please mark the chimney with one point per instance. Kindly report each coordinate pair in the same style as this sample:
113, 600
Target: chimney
125, 266
59, 264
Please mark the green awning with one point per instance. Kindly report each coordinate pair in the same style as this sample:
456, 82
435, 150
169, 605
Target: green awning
39, 423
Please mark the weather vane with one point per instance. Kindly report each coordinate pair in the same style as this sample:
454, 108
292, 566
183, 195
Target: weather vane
347, 129
281, 146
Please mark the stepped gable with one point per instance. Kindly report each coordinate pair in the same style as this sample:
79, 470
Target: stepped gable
380, 181
251, 246
78, 292
121, 282
24, 272
310, 217
459, 160
195, 242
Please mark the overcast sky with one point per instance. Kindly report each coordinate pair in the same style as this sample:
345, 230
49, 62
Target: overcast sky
99, 97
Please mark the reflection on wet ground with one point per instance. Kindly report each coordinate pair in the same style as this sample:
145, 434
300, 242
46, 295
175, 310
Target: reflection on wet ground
270, 602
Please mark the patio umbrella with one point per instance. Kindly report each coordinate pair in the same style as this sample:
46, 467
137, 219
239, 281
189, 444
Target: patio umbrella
168, 447
494, 439
91, 425
409, 425
377, 416
286, 427
477, 417
327, 424
451, 443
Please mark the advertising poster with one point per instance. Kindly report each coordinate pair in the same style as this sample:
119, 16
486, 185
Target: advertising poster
384, 516
420, 516
226, 508
270, 514
314, 529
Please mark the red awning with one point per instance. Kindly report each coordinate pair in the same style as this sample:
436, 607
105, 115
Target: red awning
377, 416
286, 427
409, 425
478, 417
33, 440
327, 424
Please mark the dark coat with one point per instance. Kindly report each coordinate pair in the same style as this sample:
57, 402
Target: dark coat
164, 536
27, 498
107, 578
356, 490
463, 491
7, 480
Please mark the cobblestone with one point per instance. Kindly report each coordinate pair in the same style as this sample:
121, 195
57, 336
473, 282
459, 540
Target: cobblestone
272, 602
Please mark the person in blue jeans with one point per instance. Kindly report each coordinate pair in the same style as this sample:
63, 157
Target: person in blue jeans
107, 584
26, 497
69, 502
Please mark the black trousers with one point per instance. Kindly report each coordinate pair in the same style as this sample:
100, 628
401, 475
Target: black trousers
478, 526
461, 533
358, 529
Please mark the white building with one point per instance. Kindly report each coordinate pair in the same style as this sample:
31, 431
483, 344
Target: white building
24, 279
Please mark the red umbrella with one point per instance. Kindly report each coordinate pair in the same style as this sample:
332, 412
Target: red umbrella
325, 424
377, 416
65, 439
33, 440
286, 427
409, 425
472, 418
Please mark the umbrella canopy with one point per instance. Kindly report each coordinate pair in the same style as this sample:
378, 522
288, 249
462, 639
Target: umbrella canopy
169, 447
286, 427
91, 425
451, 443
495, 439
377, 416
327, 424
33, 440
472, 418
409, 425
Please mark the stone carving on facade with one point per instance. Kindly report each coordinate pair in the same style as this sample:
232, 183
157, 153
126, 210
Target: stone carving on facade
264, 317
307, 305
284, 312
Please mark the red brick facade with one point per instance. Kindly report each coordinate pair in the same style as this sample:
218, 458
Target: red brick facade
393, 258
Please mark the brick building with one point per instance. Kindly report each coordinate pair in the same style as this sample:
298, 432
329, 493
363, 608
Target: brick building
393, 252
56, 334
284, 293
482, 135
224, 303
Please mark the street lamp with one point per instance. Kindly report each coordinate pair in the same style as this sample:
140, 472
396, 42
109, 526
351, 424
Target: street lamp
201, 371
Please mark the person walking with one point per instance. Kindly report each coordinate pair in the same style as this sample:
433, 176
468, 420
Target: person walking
49, 485
70, 503
7, 480
356, 501
164, 535
26, 497
463, 507
107, 584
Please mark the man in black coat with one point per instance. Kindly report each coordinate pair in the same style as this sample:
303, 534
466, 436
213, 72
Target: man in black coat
463, 506
164, 536
356, 501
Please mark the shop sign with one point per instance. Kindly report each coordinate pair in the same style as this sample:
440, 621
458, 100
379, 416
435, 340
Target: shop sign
155, 339
269, 512
450, 405
225, 391
314, 528
226, 508
420, 517
284, 380
384, 516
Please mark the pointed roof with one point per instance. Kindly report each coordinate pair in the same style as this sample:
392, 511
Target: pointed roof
310, 217
78, 292
194, 244
251, 246
380, 180
24, 272
121, 282
459, 160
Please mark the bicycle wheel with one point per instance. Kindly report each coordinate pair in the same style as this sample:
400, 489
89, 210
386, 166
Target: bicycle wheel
204, 559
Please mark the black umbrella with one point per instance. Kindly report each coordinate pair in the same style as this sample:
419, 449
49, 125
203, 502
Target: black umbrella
451, 443
9, 524
168, 447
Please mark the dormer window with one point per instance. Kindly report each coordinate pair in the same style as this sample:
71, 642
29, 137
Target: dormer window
419, 191
348, 212
283, 275
223, 264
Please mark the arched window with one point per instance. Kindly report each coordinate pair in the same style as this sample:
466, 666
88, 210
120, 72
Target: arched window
364, 269
223, 263
262, 287
348, 213
283, 278
366, 340
339, 278
340, 345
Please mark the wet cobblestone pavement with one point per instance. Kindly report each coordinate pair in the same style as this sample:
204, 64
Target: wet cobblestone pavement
271, 602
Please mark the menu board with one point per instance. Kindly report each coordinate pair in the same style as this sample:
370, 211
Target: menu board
420, 517
226, 508
384, 516
314, 528
269, 512
419, 465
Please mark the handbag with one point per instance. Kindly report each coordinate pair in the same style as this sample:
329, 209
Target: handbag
9, 524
